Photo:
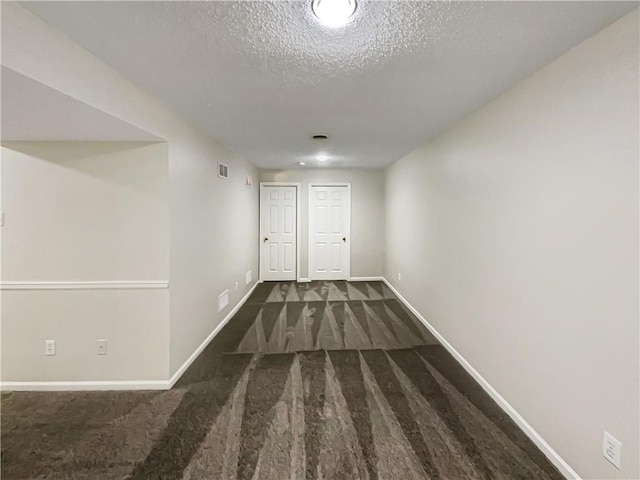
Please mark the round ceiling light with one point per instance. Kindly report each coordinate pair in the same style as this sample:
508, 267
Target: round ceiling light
333, 13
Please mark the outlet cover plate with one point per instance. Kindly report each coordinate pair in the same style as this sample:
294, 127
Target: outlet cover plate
612, 450
247, 278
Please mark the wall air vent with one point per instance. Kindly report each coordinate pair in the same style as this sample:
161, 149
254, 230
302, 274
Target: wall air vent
223, 300
223, 170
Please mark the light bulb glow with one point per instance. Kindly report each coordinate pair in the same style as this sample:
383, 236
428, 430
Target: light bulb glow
333, 13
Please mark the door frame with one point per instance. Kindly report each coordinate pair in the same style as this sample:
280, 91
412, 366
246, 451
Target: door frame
264, 185
309, 233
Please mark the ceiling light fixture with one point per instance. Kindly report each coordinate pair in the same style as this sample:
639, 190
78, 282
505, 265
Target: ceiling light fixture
333, 13
302, 164
322, 157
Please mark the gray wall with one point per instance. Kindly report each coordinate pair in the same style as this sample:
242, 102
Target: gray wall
367, 214
85, 212
209, 249
214, 241
516, 234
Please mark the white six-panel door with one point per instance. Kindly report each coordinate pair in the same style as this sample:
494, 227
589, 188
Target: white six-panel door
329, 231
278, 228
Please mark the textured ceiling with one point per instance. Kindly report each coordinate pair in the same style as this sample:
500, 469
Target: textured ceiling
262, 76
33, 111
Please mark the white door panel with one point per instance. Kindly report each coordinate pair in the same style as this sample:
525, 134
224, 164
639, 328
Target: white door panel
278, 226
329, 232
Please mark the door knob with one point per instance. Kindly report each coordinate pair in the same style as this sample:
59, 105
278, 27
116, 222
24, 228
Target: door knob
265, 239
344, 239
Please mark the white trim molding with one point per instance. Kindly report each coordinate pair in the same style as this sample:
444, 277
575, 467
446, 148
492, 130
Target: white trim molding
366, 279
85, 386
127, 384
92, 285
529, 431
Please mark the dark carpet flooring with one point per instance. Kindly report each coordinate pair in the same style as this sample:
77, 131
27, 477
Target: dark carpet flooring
327, 380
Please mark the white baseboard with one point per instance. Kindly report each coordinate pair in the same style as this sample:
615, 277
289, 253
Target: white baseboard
183, 368
84, 386
540, 442
366, 279
304, 280
126, 384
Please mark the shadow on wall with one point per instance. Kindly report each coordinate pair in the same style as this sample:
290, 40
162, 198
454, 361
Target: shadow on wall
70, 155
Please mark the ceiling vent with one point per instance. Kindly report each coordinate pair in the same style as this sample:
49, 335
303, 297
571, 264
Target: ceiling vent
223, 170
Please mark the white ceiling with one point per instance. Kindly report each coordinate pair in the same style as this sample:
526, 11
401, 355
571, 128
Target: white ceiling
262, 76
33, 111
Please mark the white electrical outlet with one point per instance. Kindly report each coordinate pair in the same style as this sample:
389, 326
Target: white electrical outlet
223, 300
612, 450
236, 285
247, 278
101, 346
399, 277
49, 347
